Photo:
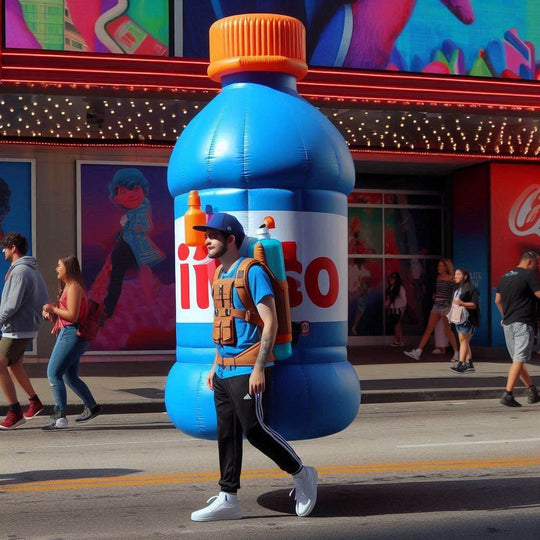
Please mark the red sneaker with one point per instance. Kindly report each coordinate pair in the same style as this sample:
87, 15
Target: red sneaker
34, 409
12, 420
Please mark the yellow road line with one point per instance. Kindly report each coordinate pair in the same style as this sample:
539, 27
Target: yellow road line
141, 480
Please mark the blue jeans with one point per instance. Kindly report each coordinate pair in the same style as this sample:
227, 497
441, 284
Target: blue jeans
63, 368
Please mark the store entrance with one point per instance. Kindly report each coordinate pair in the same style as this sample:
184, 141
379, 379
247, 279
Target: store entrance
394, 231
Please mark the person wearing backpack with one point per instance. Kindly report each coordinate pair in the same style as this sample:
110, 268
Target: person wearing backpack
63, 368
241, 373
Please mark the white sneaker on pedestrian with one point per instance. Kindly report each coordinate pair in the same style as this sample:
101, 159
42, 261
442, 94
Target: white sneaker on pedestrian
222, 506
305, 490
414, 354
438, 350
59, 423
455, 358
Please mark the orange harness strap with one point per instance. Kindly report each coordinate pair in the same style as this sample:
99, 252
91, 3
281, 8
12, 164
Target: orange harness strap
246, 358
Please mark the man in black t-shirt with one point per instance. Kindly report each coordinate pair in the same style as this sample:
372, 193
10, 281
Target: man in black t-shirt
516, 297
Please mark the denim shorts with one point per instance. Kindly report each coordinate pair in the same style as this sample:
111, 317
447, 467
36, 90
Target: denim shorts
519, 339
466, 328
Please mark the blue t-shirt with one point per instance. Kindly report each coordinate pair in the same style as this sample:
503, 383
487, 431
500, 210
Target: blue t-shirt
247, 334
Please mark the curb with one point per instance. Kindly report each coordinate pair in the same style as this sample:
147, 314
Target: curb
107, 408
367, 397
401, 396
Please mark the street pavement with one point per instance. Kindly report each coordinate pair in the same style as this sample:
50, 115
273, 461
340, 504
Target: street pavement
386, 375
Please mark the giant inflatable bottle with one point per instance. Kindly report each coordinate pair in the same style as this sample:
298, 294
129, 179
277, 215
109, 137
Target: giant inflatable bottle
259, 149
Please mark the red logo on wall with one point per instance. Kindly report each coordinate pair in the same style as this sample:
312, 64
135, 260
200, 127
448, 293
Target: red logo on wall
524, 216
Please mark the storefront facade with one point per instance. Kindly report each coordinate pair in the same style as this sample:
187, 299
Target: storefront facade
447, 160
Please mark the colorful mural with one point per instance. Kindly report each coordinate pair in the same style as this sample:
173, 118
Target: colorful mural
115, 26
487, 38
15, 203
126, 245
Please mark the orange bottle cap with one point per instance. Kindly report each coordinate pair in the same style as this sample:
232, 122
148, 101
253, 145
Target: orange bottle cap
193, 198
270, 223
257, 42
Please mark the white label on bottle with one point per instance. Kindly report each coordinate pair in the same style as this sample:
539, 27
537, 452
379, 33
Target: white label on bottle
316, 266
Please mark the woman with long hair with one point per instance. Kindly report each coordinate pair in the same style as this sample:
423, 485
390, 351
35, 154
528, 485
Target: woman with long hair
442, 300
395, 303
466, 295
70, 311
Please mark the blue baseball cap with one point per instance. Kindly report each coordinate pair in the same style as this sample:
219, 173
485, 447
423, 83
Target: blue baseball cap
224, 223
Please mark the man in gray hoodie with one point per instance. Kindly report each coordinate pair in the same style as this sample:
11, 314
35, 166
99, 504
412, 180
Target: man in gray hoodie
23, 297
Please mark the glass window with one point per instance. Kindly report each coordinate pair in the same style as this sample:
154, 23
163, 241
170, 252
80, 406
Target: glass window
392, 231
365, 231
357, 197
365, 297
412, 231
424, 199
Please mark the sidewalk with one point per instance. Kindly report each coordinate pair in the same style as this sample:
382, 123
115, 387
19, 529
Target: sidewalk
385, 374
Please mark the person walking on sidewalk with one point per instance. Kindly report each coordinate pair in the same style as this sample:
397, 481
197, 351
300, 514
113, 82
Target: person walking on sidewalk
467, 296
240, 377
395, 302
516, 297
63, 367
20, 316
444, 290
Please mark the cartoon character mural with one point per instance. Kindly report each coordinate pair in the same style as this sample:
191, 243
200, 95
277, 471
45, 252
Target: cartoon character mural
376, 24
359, 33
489, 38
123, 254
134, 250
116, 26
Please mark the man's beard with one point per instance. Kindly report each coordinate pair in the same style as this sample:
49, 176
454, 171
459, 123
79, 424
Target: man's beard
219, 252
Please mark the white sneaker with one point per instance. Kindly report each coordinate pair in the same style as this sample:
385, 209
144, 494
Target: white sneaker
438, 351
414, 354
222, 506
59, 423
305, 491
455, 358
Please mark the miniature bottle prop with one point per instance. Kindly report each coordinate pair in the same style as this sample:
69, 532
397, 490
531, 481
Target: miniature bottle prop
194, 216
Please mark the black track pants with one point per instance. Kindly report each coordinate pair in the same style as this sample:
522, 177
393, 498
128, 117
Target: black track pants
240, 414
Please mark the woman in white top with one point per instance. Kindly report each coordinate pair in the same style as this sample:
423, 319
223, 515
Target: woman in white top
395, 303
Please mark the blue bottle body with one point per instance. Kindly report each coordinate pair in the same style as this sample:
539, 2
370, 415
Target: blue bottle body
259, 149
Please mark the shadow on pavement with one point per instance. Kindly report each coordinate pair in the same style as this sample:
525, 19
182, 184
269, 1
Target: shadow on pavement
146, 427
356, 500
127, 369
64, 474
458, 381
